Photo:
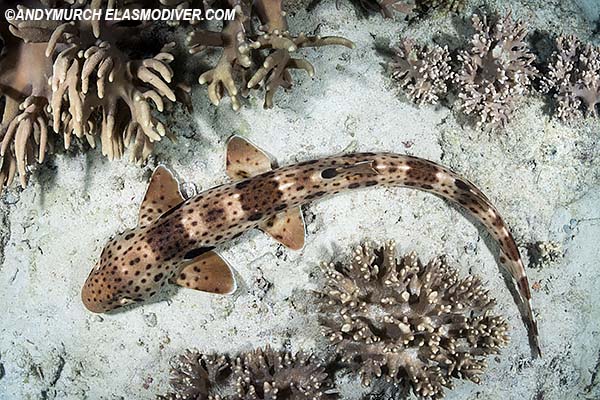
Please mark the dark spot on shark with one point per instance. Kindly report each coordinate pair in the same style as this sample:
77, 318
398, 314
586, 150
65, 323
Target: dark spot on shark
214, 214
242, 184
461, 185
329, 173
255, 217
302, 164
171, 211
196, 252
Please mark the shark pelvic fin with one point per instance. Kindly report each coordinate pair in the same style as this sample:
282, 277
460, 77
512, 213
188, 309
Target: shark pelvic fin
287, 228
207, 272
245, 160
162, 195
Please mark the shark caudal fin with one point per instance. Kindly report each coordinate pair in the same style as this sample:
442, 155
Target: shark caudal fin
162, 195
245, 160
207, 272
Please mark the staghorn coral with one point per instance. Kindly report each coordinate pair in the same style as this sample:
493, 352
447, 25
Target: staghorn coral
418, 325
573, 78
496, 72
81, 79
421, 71
254, 57
259, 374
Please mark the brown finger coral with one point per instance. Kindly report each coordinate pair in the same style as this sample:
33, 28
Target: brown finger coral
496, 72
573, 78
423, 72
24, 138
418, 325
200, 376
82, 79
259, 374
255, 57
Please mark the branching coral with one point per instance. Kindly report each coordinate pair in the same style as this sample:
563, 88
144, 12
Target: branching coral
497, 71
422, 72
255, 57
99, 90
573, 78
78, 78
267, 374
259, 374
24, 71
418, 325
199, 376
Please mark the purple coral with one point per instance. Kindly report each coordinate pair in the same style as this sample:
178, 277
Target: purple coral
423, 72
497, 71
573, 78
418, 325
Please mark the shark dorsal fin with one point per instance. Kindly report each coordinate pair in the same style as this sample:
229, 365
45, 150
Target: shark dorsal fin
245, 160
207, 272
287, 228
162, 195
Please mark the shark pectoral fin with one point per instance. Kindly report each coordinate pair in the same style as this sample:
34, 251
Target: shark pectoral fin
245, 160
162, 195
287, 228
208, 273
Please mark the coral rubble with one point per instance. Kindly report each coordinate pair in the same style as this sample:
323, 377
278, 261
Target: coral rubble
423, 72
259, 374
573, 78
254, 56
418, 325
496, 71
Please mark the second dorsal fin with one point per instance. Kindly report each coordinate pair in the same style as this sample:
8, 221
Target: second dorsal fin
162, 195
245, 160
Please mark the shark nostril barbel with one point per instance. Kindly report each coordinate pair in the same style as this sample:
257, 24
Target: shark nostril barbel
175, 238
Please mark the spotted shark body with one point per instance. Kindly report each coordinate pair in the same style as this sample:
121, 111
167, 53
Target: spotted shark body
175, 238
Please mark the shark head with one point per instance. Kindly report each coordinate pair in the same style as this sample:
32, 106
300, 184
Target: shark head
128, 271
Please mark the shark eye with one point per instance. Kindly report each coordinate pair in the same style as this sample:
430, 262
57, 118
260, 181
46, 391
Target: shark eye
125, 300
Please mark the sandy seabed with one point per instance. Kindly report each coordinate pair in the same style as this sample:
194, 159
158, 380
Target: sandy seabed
541, 174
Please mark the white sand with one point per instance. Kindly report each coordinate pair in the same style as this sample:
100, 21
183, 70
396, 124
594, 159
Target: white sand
542, 175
